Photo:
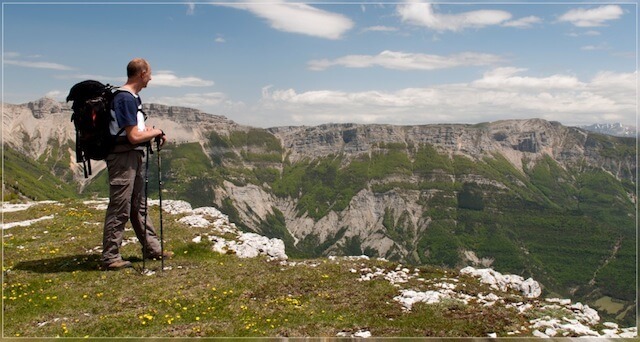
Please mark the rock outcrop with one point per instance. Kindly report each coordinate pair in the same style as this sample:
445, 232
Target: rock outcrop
245, 245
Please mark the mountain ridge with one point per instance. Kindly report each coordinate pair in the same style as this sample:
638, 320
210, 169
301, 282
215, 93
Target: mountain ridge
525, 196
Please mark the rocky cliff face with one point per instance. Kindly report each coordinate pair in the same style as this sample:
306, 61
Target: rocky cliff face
517, 140
30, 127
35, 127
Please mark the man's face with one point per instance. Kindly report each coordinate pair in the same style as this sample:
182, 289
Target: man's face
146, 76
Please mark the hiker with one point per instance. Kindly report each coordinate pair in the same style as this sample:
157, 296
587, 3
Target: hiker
126, 168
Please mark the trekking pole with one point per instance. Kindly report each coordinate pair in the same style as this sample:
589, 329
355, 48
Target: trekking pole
146, 209
160, 199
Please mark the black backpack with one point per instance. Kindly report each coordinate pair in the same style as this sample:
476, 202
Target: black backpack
92, 103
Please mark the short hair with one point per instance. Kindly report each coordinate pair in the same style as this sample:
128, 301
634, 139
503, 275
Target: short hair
136, 66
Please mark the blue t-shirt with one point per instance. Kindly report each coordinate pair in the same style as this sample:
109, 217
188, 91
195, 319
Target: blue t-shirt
127, 111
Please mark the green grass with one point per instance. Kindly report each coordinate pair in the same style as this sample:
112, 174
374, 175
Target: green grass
52, 287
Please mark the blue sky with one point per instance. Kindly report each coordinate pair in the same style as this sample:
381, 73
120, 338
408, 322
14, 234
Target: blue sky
276, 63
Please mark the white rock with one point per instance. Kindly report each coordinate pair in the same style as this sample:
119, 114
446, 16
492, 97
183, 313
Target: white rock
609, 333
559, 301
210, 211
580, 329
221, 245
586, 314
356, 257
629, 332
362, 334
173, 206
446, 286
25, 223
409, 297
537, 333
529, 288
195, 221
550, 332
251, 245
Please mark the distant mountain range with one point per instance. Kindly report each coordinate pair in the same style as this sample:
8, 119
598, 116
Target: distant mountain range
528, 197
615, 129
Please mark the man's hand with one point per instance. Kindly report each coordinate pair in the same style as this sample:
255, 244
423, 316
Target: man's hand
160, 139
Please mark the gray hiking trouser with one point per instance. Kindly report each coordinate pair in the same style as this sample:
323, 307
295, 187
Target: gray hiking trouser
127, 202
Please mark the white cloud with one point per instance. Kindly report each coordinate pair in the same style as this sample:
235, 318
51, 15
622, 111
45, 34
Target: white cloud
169, 79
525, 22
591, 33
160, 78
593, 17
37, 65
56, 94
615, 82
423, 14
299, 18
500, 94
407, 61
379, 28
594, 47
211, 102
507, 78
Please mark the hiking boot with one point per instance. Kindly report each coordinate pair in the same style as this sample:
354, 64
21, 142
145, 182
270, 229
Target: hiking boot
117, 265
166, 255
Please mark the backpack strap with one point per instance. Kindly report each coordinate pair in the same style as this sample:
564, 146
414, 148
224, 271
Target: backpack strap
120, 90
121, 143
88, 166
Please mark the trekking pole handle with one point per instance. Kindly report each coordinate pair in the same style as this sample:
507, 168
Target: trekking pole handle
158, 139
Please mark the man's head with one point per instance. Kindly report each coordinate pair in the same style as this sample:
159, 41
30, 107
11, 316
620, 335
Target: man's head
139, 72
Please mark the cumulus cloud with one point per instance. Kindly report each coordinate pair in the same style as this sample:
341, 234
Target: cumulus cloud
526, 22
299, 18
56, 94
211, 101
593, 17
407, 61
507, 78
160, 78
167, 78
502, 93
423, 14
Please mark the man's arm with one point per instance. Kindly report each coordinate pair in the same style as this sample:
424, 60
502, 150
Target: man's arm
138, 137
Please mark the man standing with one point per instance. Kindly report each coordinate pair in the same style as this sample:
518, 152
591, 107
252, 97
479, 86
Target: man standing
127, 171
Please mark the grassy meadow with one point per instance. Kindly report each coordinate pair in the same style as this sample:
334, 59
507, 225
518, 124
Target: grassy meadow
53, 287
